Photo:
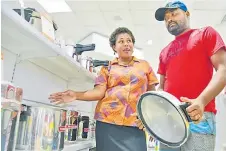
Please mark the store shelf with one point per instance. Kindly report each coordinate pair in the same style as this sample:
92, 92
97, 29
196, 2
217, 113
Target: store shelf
41, 104
65, 67
19, 37
99, 55
10, 104
79, 145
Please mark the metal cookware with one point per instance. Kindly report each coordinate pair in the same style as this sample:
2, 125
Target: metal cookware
35, 20
83, 61
79, 49
68, 47
97, 64
27, 13
89, 65
164, 117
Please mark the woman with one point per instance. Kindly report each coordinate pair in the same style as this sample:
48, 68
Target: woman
118, 88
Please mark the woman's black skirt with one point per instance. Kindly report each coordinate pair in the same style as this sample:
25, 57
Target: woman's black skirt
110, 137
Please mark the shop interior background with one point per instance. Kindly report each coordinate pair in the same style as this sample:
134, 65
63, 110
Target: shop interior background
83, 21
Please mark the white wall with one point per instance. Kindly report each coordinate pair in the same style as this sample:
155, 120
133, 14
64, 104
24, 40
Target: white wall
221, 105
222, 30
152, 52
87, 40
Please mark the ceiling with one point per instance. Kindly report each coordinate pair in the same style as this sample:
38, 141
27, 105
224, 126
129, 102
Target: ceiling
104, 16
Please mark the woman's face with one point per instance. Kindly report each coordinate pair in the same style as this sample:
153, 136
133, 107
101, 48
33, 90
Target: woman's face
124, 45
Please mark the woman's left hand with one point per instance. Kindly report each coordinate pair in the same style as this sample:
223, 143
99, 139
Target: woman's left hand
140, 124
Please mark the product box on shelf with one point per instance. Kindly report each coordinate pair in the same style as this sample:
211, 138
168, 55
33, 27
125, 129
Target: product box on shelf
41, 128
8, 90
24, 133
83, 129
62, 128
39, 20
71, 126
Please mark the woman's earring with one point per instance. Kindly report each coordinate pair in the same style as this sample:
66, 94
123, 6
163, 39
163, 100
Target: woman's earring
114, 53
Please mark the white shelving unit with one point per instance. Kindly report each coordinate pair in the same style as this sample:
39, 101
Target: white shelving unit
23, 39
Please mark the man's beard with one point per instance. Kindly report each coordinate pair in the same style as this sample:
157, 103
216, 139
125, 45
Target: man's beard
177, 29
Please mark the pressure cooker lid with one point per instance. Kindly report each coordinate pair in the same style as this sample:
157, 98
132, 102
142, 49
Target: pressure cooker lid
162, 119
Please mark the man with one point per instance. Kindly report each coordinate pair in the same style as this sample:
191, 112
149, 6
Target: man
186, 70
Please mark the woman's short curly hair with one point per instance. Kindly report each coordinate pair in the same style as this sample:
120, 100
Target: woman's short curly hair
120, 30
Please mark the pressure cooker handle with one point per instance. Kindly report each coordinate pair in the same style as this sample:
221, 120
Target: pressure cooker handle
97, 63
183, 106
79, 49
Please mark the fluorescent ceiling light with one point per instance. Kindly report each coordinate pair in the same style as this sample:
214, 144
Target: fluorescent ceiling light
21, 3
54, 6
